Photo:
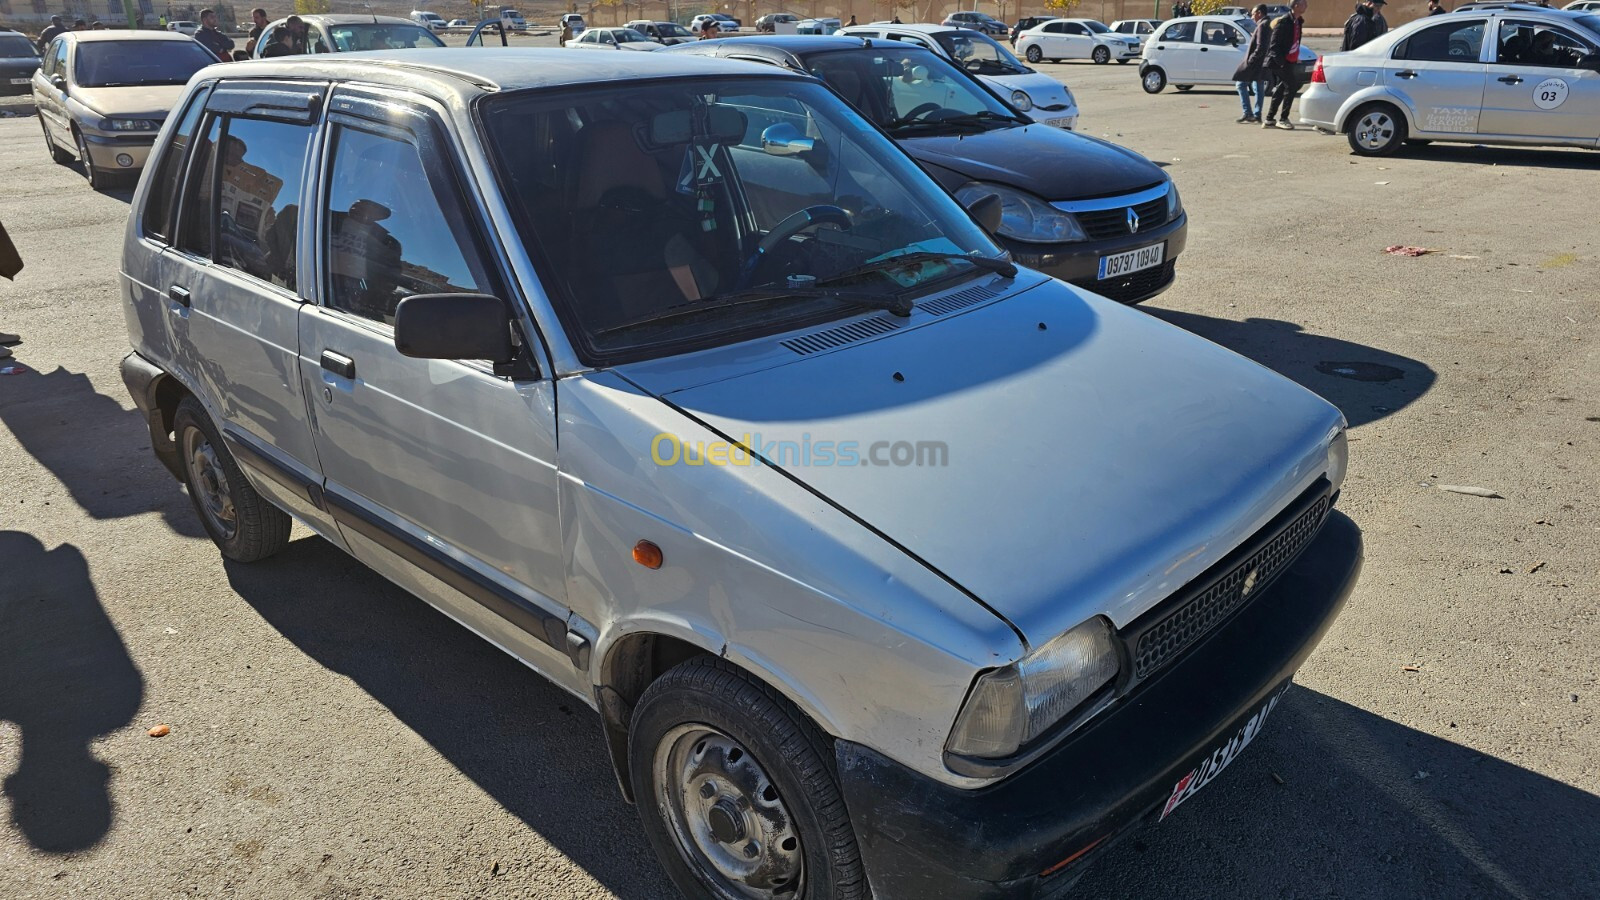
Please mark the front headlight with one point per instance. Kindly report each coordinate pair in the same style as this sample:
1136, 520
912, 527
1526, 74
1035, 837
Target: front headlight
1021, 101
128, 125
1338, 458
1174, 202
1023, 216
1011, 706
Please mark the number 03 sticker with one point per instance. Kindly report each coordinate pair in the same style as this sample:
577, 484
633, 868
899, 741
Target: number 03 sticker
1550, 93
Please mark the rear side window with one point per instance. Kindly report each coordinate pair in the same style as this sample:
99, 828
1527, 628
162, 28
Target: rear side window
164, 185
194, 232
258, 203
1451, 42
1179, 31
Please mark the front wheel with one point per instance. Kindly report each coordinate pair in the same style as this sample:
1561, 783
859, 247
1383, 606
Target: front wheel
1376, 130
243, 524
1153, 80
1034, 54
1184, 87
737, 790
1101, 56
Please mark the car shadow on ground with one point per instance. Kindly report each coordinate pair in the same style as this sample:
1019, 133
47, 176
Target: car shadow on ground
99, 451
1481, 155
1350, 804
535, 749
65, 680
1364, 382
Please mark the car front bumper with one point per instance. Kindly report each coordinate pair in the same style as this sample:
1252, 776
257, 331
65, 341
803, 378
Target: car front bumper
920, 838
1079, 263
119, 153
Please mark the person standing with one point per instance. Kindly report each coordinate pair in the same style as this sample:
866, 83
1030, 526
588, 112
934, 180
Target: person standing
1359, 28
1380, 25
1435, 8
80, 25
1283, 59
56, 26
220, 45
852, 22
1251, 76
10, 265
288, 40
258, 24
710, 30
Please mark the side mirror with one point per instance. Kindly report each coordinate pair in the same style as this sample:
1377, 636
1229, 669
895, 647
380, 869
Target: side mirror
59, 82
986, 210
783, 139
1590, 61
454, 326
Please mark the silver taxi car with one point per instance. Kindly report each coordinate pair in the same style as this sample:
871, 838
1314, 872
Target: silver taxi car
889, 567
1505, 74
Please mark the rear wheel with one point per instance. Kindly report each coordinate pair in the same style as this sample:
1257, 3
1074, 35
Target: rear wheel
60, 156
244, 525
98, 180
1376, 129
1034, 54
1101, 56
1153, 80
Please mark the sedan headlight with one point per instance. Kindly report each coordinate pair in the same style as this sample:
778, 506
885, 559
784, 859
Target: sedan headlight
1338, 458
1023, 216
128, 125
1021, 101
1174, 202
1011, 706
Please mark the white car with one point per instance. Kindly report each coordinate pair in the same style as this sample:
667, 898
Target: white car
612, 39
817, 26
574, 22
184, 26
1060, 39
429, 20
1583, 6
1508, 75
459, 23
1039, 95
1139, 28
1201, 50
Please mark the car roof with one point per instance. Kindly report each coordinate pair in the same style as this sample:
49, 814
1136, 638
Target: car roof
921, 28
97, 36
349, 19
797, 44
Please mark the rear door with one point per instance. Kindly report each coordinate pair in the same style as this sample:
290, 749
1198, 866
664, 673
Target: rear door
1175, 51
1533, 87
1438, 72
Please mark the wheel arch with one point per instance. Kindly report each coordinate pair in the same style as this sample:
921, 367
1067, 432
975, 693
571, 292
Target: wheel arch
157, 394
1373, 94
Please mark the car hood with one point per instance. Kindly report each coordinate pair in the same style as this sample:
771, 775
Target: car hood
143, 101
1094, 458
1048, 162
1046, 93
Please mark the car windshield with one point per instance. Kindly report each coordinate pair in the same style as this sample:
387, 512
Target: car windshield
672, 29
910, 92
13, 46
122, 63
380, 36
629, 36
1096, 27
1249, 25
672, 215
979, 54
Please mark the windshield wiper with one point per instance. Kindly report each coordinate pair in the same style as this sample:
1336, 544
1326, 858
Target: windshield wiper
977, 118
893, 303
1004, 267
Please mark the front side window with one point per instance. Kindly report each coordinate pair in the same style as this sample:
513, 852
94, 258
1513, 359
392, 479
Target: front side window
164, 184
258, 199
1178, 32
122, 63
1537, 44
389, 234
745, 206
58, 57
978, 53
1452, 42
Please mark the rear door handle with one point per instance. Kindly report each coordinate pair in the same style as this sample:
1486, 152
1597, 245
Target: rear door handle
1405, 73
179, 296
339, 364
1205, 49
1509, 79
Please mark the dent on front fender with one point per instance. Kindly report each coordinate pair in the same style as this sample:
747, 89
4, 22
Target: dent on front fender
866, 641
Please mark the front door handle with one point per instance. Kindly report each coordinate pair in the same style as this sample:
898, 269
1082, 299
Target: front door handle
339, 364
179, 296
1509, 79
1205, 49
1405, 73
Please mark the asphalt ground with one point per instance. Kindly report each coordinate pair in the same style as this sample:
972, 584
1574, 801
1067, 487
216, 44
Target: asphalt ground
333, 737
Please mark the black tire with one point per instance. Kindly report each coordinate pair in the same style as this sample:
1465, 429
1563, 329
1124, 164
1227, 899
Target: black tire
1415, 143
699, 720
1152, 80
1184, 87
98, 180
1123, 62
1376, 129
1034, 54
1101, 55
60, 156
256, 528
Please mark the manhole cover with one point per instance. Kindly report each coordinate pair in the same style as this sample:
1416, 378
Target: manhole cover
1361, 371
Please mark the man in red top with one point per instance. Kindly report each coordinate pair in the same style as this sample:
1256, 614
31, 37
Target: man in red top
1283, 58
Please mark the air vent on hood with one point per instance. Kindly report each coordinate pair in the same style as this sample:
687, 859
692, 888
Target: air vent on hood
962, 299
818, 341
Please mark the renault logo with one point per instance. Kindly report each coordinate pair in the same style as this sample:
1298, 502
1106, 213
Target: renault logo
1133, 221
1249, 583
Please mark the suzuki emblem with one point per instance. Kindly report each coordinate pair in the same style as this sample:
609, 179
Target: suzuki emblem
1133, 221
1249, 583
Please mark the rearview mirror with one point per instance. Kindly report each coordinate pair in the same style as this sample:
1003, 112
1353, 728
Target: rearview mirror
454, 326
986, 211
783, 139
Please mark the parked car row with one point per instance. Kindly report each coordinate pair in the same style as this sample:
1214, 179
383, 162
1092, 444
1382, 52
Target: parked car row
365, 297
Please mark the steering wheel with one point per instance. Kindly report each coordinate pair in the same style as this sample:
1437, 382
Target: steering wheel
921, 110
788, 228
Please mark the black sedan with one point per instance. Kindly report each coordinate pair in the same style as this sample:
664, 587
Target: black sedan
1083, 210
19, 59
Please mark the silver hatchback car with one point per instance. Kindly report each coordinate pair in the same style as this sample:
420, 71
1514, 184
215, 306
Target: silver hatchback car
888, 566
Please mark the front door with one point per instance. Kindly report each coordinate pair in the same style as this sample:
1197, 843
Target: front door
1439, 73
440, 473
1534, 88
1220, 51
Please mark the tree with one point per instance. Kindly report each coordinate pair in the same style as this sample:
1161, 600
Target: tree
312, 7
1062, 6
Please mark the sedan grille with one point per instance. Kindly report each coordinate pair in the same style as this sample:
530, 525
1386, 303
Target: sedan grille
1134, 286
1102, 224
1184, 619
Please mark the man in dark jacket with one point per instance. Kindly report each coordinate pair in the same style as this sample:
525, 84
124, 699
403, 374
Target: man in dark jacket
1283, 59
1251, 76
1359, 28
1435, 8
220, 45
49, 34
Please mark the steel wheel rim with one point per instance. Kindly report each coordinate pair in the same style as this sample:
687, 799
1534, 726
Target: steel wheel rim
1152, 81
210, 482
729, 822
1375, 130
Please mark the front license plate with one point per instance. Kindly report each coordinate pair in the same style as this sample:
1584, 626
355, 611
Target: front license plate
1118, 264
1212, 765
1060, 123
22, 81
